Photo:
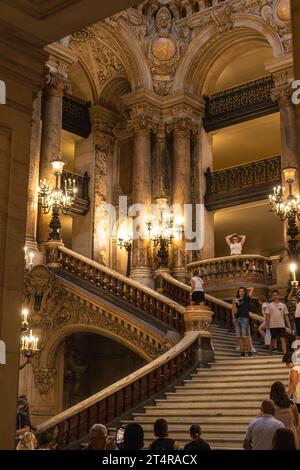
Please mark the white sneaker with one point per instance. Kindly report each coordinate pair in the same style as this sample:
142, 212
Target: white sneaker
237, 348
253, 350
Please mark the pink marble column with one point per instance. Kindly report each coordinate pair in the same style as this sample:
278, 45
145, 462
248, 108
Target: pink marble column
50, 140
181, 188
141, 259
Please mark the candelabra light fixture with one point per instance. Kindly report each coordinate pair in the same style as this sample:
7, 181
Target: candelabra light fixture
29, 348
163, 230
287, 207
125, 241
57, 199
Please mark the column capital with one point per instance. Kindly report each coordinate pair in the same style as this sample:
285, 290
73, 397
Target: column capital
183, 126
282, 90
103, 123
60, 58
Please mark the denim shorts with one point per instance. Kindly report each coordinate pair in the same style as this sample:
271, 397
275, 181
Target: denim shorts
241, 326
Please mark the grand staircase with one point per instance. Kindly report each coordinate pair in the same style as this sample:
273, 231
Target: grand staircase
222, 399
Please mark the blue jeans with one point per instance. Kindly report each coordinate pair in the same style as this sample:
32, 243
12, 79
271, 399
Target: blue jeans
241, 326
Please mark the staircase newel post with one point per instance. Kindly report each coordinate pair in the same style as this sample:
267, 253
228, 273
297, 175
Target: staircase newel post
51, 252
199, 318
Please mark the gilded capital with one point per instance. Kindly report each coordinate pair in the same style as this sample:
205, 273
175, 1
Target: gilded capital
282, 90
183, 126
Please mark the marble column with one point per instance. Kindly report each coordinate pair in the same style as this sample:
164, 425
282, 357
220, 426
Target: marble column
56, 84
33, 181
141, 259
282, 92
181, 188
204, 159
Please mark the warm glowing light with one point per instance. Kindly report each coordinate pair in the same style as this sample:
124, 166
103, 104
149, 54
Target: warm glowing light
293, 268
289, 174
57, 166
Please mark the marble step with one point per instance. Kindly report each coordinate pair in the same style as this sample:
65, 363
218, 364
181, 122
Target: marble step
223, 395
241, 366
226, 361
241, 372
220, 420
191, 412
216, 405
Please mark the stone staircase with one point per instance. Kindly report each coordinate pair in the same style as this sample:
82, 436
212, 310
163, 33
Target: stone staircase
222, 399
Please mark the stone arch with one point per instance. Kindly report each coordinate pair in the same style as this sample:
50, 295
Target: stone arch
207, 47
112, 92
48, 354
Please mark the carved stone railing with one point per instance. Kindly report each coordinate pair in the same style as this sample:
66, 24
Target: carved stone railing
223, 272
222, 310
238, 104
82, 202
130, 292
121, 398
242, 183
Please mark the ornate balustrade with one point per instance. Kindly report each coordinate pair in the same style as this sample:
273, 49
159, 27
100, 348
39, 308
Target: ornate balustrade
75, 115
248, 269
241, 184
82, 202
238, 104
124, 396
122, 287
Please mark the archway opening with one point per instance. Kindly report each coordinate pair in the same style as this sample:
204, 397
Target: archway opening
93, 362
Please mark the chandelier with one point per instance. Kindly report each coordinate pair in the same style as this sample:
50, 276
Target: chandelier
163, 230
57, 199
287, 207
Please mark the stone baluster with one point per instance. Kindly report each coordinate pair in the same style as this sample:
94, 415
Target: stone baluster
56, 84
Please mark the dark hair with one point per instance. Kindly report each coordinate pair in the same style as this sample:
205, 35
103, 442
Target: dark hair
133, 437
268, 407
44, 439
244, 289
161, 428
279, 395
287, 357
195, 431
284, 439
196, 272
275, 291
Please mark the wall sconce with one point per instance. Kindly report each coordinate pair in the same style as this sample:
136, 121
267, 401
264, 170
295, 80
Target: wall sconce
29, 348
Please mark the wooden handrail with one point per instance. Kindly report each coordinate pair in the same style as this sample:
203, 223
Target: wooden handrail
117, 399
132, 292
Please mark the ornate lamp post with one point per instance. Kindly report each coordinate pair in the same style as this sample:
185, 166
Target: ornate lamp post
125, 241
163, 231
58, 199
288, 208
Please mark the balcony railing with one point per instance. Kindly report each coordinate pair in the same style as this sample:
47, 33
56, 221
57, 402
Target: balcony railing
238, 104
242, 184
75, 115
222, 273
82, 201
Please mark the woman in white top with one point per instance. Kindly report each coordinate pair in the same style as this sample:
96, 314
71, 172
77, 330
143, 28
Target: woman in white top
295, 297
235, 243
197, 293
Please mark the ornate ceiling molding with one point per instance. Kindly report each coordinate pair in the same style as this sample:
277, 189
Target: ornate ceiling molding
40, 8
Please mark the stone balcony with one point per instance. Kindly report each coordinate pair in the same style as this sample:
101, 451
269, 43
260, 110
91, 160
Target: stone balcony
224, 275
